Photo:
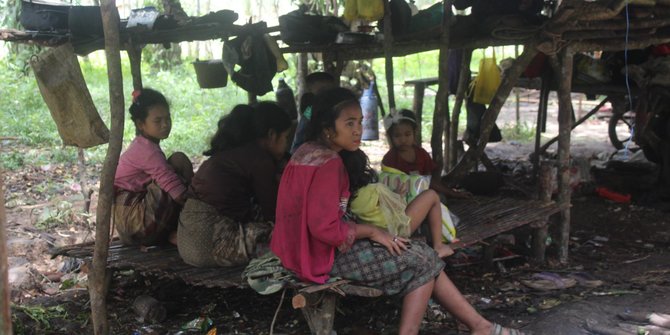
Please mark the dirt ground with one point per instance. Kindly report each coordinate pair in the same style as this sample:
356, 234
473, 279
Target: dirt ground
621, 252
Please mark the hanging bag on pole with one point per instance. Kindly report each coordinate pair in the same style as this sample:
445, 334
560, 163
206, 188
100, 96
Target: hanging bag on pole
64, 90
487, 81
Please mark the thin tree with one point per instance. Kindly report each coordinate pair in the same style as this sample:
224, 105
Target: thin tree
99, 273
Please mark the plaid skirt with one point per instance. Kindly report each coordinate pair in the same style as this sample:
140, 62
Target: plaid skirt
376, 267
144, 218
207, 238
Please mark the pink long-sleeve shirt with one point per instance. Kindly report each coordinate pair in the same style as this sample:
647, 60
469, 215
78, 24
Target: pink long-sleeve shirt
143, 162
312, 199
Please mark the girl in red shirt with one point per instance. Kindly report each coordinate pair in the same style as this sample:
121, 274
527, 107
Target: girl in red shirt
409, 157
316, 238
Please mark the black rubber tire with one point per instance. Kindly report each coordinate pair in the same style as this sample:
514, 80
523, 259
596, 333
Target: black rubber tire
615, 120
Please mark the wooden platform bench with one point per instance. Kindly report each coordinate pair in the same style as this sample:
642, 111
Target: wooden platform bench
480, 219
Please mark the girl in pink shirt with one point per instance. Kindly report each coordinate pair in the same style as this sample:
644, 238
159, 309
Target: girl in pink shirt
150, 188
316, 238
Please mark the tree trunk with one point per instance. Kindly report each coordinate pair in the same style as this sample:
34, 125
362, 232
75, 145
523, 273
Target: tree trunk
563, 67
488, 121
463, 83
5, 313
441, 112
99, 273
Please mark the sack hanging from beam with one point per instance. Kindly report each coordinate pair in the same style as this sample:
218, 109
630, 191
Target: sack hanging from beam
487, 81
64, 91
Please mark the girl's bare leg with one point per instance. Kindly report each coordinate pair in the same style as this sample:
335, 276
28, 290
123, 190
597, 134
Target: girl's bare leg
449, 297
427, 204
414, 306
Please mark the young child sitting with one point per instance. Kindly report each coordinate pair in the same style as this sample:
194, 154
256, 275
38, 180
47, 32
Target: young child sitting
408, 156
150, 188
315, 82
374, 203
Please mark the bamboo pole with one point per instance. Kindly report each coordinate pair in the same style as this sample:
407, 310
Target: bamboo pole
441, 112
99, 273
508, 82
562, 65
463, 83
388, 55
5, 310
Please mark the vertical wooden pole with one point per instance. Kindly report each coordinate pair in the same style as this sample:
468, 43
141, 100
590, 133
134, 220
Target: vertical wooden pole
463, 83
301, 73
417, 107
441, 112
135, 57
541, 114
563, 67
516, 94
540, 232
5, 312
388, 55
99, 273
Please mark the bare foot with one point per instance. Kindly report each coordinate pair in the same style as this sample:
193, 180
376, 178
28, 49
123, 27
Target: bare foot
495, 329
444, 250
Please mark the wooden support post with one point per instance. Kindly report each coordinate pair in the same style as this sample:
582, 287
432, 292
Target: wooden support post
463, 83
388, 55
251, 98
488, 121
5, 312
318, 309
99, 273
541, 115
135, 57
301, 73
563, 67
417, 107
540, 232
441, 112
516, 94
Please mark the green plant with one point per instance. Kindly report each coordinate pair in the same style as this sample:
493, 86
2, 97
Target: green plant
62, 214
43, 315
523, 132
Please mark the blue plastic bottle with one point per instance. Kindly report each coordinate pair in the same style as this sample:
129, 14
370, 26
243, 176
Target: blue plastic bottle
370, 118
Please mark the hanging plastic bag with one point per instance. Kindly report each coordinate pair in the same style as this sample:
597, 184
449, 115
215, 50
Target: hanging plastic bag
487, 81
370, 10
351, 10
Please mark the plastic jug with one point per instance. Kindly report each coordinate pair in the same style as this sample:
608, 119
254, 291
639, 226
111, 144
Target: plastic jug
369, 106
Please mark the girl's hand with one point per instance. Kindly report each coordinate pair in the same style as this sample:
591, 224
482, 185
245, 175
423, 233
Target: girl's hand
394, 244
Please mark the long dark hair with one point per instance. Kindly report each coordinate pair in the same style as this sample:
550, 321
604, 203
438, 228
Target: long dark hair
245, 124
358, 168
326, 109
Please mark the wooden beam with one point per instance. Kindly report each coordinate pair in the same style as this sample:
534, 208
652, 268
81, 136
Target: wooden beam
562, 65
99, 273
417, 107
5, 309
441, 112
463, 84
488, 121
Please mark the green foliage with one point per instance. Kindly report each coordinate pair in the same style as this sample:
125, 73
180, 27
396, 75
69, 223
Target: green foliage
62, 215
41, 315
523, 132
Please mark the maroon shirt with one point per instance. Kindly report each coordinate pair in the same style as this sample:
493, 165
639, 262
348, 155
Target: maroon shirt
234, 180
423, 164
